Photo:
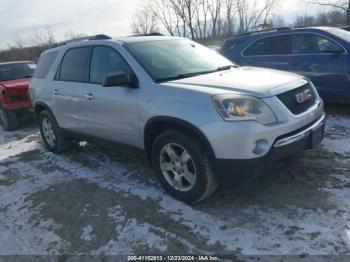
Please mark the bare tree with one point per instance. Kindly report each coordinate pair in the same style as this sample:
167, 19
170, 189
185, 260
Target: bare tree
230, 17
343, 5
184, 9
251, 14
145, 21
278, 21
163, 10
28, 47
304, 21
215, 8
203, 19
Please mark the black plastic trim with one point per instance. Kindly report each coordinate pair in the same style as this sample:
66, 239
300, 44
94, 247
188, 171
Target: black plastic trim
177, 123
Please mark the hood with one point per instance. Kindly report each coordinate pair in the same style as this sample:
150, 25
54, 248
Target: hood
252, 81
16, 84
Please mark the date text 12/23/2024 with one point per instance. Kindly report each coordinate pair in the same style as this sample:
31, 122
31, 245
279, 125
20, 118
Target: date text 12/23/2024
173, 258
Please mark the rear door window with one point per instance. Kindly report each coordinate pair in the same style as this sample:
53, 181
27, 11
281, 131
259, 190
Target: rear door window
44, 64
75, 63
275, 45
312, 44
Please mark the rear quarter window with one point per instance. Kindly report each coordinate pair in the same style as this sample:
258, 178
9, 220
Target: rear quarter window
45, 62
75, 63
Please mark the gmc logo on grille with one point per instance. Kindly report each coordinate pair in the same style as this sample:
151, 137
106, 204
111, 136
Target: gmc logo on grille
303, 96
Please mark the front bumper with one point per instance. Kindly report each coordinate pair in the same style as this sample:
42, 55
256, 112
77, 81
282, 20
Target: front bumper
285, 150
238, 140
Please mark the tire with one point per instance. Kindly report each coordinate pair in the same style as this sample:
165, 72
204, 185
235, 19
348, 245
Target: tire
203, 183
50, 133
8, 119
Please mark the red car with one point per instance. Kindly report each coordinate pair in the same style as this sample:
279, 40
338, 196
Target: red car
14, 96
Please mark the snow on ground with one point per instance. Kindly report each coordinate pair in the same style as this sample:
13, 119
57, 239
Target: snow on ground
94, 201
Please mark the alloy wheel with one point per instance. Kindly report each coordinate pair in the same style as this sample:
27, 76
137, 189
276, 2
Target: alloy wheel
48, 132
178, 167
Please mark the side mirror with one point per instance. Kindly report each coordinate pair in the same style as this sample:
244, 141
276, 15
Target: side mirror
120, 78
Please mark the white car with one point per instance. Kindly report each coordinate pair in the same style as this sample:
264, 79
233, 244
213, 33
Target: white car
200, 120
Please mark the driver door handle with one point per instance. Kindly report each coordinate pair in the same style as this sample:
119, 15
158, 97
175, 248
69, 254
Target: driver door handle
89, 96
55, 92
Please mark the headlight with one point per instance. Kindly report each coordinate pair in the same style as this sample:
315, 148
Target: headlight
243, 108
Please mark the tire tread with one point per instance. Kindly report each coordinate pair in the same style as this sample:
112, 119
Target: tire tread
11, 120
212, 183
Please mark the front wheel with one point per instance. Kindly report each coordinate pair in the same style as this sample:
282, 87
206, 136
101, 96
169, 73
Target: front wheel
50, 133
182, 167
8, 119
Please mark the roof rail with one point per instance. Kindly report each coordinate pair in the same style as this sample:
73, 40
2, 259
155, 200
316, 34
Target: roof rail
265, 31
85, 38
149, 34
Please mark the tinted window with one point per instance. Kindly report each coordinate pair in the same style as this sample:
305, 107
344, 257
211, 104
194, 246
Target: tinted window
106, 61
44, 64
275, 45
312, 44
16, 71
74, 65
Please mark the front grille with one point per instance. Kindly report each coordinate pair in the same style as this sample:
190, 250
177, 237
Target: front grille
289, 99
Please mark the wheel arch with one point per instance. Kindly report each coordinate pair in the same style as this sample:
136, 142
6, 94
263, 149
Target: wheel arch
39, 107
156, 125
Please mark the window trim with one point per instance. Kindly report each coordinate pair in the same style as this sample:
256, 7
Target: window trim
110, 47
58, 73
290, 54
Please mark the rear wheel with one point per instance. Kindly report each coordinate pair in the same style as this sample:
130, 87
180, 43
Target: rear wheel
9, 119
50, 133
182, 167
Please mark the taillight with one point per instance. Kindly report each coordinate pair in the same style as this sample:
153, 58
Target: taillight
15, 95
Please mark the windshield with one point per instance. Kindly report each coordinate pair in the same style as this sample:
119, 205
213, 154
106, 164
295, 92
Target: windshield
16, 71
175, 59
341, 33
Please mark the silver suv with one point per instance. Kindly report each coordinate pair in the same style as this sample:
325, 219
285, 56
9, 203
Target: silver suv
200, 120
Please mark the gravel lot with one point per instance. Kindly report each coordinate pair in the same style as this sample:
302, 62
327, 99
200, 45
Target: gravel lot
93, 201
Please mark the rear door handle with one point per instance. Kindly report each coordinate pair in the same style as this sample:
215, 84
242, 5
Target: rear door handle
55, 92
89, 96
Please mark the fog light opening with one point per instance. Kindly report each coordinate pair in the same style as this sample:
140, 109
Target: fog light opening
261, 147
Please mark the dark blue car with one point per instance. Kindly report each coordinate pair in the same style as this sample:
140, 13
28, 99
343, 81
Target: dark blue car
320, 53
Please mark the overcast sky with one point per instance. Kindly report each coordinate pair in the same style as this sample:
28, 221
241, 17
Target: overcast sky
21, 17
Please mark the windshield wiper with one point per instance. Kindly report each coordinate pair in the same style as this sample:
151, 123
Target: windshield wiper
223, 68
187, 75
182, 76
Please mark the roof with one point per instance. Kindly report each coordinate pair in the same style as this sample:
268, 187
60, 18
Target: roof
134, 39
121, 40
275, 31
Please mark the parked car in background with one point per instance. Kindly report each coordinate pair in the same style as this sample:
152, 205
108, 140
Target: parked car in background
321, 54
14, 97
200, 120
345, 27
